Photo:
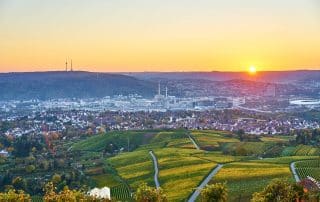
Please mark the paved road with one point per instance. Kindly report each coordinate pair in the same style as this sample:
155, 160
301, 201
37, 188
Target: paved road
196, 193
156, 169
194, 143
293, 170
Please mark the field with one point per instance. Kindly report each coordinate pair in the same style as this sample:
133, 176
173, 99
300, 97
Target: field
182, 167
308, 168
245, 178
301, 150
135, 167
98, 143
210, 140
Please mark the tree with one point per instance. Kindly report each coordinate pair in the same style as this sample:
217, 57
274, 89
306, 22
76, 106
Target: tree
68, 195
240, 134
19, 183
56, 178
215, 192
280, 191
30, 168
13, 195
149, 194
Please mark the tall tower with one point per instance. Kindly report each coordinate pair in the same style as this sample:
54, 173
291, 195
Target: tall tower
71, 66
66, 65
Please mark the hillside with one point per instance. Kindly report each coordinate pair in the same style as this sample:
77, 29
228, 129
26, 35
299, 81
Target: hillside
48, 85
247, 166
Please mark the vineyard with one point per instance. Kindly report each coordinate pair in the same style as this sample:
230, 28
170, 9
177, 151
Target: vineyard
245, 178
301, 150
248, 165
308, 168
120, 192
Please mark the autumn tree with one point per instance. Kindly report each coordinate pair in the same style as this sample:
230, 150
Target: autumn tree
215, 192
15, 196
145, 193
280, 191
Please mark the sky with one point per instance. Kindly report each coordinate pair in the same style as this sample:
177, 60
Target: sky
159, 35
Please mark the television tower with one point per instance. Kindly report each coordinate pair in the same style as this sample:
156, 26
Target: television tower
66, 65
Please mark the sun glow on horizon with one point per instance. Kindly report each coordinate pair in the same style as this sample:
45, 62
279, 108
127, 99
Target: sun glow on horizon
252, 70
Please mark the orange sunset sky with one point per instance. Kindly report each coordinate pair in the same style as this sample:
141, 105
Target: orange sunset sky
162, 35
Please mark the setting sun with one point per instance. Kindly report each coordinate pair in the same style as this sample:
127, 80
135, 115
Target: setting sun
252, 70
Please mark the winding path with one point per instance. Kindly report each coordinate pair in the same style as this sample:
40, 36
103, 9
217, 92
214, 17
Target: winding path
294, 172
194, 143
156, 169
196, 193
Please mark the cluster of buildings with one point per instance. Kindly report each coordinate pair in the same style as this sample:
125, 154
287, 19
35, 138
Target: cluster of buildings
78, 122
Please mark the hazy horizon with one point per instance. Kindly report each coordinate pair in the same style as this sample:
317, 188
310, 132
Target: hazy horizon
159, 36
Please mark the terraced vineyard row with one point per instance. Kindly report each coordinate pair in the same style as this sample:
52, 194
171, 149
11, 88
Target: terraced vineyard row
308, 168
120, 192
301, 150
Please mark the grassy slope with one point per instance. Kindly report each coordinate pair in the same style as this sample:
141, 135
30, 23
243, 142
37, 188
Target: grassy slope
245, 178
182, 167
181, 171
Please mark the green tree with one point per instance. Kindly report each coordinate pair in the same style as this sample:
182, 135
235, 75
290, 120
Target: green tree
280, 191
30, 168
56, 179
149, 194
19, 183
215, 192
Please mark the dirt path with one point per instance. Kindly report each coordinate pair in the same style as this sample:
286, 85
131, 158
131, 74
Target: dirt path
294, 172
156, 169
196, 193
194, 143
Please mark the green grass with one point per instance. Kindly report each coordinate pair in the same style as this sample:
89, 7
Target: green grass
277, 138
106, 180
117, 138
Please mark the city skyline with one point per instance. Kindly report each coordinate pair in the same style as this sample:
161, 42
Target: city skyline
137, 36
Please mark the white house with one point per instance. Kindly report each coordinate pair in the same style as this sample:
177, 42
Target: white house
100, 193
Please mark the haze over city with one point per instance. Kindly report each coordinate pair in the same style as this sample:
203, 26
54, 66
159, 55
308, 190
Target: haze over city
159, 100
168, 35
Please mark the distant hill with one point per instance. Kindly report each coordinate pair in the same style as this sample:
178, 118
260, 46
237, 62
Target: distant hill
49, 85
266, 76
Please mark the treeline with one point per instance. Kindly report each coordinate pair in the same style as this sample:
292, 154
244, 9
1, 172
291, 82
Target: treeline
307, 136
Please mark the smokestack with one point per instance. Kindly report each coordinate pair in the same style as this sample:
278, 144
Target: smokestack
166, 91
159, 89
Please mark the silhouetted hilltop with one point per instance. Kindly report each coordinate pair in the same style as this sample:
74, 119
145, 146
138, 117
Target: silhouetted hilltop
49, 85
265, 76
